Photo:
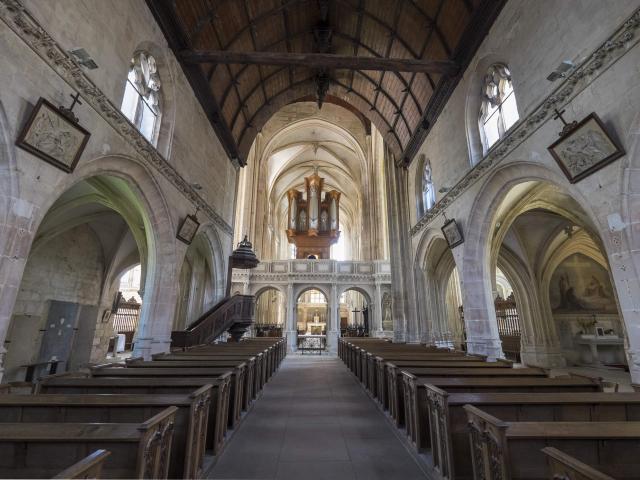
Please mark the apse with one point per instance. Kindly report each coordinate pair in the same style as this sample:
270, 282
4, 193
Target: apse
298, 142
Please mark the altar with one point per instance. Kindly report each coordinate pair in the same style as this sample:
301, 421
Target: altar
597, 350
316, 328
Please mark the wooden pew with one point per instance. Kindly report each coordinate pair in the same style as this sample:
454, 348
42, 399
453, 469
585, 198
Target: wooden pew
264, 369
377, 371
562, 466
396, 389
272, 353
249, 374
88, 467
358, 355
236, 388
40, 450
369, 364
190, 425
503, 450
419, 397
447, 420
219, 404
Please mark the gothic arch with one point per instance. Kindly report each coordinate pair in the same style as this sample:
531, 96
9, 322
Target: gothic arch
476, 266
263, 288
362, 289
156, 317
210, 234
8, 179
305, 287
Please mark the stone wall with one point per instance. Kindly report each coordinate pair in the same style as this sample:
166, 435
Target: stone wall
68, 268
532, 38
34, 37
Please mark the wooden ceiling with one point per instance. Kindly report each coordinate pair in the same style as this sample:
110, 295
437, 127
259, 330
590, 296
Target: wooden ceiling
395, 61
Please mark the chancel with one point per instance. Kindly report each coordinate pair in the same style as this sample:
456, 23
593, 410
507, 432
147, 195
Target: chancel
346, 239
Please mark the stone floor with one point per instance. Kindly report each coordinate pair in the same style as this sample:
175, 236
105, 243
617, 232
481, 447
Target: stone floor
613, 377
314, 421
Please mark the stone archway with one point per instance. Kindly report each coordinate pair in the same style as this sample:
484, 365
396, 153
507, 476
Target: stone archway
141, 193
270, 312
313, 317
487, 227
362, 315
437, 277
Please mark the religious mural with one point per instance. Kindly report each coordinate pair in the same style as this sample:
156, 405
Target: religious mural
580, 284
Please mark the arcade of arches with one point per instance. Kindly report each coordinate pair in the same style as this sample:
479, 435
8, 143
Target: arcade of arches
415, 138
545, 263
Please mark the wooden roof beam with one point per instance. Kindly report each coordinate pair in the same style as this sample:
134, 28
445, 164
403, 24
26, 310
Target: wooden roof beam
320, 60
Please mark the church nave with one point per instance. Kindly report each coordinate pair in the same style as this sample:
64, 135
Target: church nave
315, 421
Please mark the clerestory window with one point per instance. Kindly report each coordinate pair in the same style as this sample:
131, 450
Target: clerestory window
141, 101
499, 111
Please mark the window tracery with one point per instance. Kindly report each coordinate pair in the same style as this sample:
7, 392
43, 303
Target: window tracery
427, 195
428, 192
499, 111
141, 101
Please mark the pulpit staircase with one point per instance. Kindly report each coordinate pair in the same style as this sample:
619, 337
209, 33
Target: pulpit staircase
233, 314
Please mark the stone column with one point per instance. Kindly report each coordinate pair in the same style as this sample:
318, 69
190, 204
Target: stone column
376, 327
480, 321
16, 235
290, 322
334, 319
402, 282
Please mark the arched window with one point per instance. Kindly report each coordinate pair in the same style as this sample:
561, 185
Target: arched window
427, 198
428, 192
141, 102
499, 111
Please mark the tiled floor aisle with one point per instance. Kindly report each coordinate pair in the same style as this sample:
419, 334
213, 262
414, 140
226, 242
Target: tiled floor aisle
314, 421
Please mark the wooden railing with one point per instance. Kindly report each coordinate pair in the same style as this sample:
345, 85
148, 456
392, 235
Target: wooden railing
126, 317
233, 314
508, 318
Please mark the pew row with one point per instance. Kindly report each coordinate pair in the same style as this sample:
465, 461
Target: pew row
420, 399
41, 450
447, 421
563, 466
236, 398
248, 388
189, 429
504, 450
218, 405
88, 467
395, 386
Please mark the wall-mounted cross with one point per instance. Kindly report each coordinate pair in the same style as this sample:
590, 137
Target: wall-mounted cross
567, 127
68, 112
558, 116
76, 99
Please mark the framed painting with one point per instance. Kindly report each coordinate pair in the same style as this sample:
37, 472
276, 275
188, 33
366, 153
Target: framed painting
53, 137
188, 229
585, 149
452, 233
